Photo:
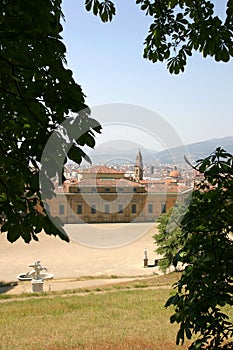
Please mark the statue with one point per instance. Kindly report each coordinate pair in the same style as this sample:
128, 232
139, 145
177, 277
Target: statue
37, 268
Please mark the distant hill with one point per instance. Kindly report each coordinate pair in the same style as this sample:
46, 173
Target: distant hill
196, 150
118, 153
128, 156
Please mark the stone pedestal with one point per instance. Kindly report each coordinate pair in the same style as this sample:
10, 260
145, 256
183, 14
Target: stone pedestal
37, 286
145, 262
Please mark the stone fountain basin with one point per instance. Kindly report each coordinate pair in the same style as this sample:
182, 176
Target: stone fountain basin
27, 277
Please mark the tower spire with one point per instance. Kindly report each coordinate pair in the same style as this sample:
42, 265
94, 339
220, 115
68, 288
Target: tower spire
138, 168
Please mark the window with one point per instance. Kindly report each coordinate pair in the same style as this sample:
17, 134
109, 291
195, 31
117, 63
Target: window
106, 209
163, 208
133, 209
107, 189
61, 209
120, 208
79, 209
135, 189
93, 209
150, 208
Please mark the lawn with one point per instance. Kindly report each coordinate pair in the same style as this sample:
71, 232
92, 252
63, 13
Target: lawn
131, 319
124, 317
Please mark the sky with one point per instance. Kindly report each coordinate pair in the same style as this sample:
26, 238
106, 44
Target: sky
107, 61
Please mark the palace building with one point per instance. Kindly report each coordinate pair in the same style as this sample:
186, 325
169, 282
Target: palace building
103, 194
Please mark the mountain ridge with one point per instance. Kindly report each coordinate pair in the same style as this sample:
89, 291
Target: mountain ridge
198, 150
193, 151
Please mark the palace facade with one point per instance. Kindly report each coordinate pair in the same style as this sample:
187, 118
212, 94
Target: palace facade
103, 194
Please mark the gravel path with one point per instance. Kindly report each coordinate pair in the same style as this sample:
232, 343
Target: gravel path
75, 259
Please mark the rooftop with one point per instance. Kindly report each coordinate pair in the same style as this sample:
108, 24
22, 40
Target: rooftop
102, 169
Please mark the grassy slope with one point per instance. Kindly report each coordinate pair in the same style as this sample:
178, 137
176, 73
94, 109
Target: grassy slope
133, 319
129, 319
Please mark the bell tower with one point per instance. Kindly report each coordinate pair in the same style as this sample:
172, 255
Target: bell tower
138, 168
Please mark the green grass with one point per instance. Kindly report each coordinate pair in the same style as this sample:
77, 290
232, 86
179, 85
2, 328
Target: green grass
129, 316
124, 317
151, 281
134, 319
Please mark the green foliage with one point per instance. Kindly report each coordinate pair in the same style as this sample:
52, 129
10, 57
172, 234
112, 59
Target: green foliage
181, 27
170, 239
206, 285
104, 9
37, 94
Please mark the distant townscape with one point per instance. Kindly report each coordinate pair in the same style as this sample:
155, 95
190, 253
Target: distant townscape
130, 191
121, 193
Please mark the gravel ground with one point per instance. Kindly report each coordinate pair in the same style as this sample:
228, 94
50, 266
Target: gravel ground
94, 250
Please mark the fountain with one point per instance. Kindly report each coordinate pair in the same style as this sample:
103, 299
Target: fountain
36, 276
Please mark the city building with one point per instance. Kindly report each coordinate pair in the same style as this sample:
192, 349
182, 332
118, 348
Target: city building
103, 194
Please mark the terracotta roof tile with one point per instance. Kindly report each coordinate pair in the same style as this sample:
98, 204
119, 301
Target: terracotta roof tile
162, 189
102, 169
108, 183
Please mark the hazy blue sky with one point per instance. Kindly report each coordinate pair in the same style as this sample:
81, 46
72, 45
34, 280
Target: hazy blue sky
107, 62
